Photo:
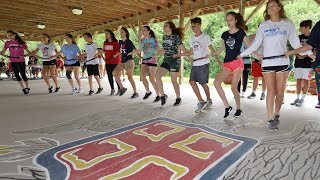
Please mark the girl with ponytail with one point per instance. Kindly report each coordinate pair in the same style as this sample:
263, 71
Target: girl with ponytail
16, 48
172, 45
231, 43
149, 45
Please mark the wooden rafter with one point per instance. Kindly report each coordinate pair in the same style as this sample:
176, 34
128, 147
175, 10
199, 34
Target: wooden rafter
259, 6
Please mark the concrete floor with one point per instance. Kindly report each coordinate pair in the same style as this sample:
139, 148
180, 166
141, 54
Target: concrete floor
33, 124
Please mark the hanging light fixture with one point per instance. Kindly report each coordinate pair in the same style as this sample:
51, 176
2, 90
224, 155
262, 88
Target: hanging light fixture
41, 25
76, 11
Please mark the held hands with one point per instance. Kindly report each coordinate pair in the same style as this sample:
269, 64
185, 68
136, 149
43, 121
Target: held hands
289, 53
313, 57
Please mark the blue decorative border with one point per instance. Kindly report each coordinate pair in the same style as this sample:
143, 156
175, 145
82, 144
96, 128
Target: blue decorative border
59, 171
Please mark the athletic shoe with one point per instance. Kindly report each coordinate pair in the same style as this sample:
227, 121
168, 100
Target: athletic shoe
208, 104
147, 95
50, 89
28, 90
122, 91
25, 91
74, 91
178, 102
112, 92
227, 111
1, 79
263, 96
238, 113
134, 95
272, 125
91, 92
157, 99
80, 90
200, 106
242, 94
163, 99
300, 103
317, 106
57, 90
295, 102
252, 96
276, 119
99, 90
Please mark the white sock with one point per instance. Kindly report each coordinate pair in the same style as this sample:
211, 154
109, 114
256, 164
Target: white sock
298, 96
254, 92
303, 96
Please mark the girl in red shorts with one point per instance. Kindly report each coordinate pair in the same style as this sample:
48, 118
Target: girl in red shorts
231, 42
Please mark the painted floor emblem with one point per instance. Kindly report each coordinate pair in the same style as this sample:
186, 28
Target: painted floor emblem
156, 149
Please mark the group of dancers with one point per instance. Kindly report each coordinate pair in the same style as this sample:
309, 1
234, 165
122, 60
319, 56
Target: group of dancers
268, 52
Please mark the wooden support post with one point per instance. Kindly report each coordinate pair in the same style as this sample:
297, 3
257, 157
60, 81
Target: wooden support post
117, 32
77, 39
223, 9
242, 7
195, 14
181, 25
249, 18
95, 35
317, 1
151, 21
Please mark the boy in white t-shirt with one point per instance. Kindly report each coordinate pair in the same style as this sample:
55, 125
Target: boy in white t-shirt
92, 62
199, 45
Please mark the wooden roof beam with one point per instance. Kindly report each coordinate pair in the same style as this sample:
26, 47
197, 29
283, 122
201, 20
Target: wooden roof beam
259, 6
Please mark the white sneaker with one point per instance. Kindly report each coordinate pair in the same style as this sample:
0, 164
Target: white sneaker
208, 104
200, 106
80, 90
242, 94
73, 91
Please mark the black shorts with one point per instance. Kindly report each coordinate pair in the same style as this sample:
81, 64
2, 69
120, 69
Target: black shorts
200, 74
93, 69
49, 63
150, 64
75, 64
276, 69
171, 64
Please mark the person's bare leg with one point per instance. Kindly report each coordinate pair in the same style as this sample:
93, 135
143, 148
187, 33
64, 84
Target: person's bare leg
143, 76
44, 75
222, 75
98, 81
152, 78
70, 68
270, 79
196, 90
281, 84
90, 82
298, 87
176, 86
160, 72
117, 74
234, 86
76, 75
54, 75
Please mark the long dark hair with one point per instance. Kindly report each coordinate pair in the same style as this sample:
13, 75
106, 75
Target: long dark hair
151, 33
282, 14
71, 37
240, 24
175, 30
47, 37
113, 37
126, 31
17, 38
